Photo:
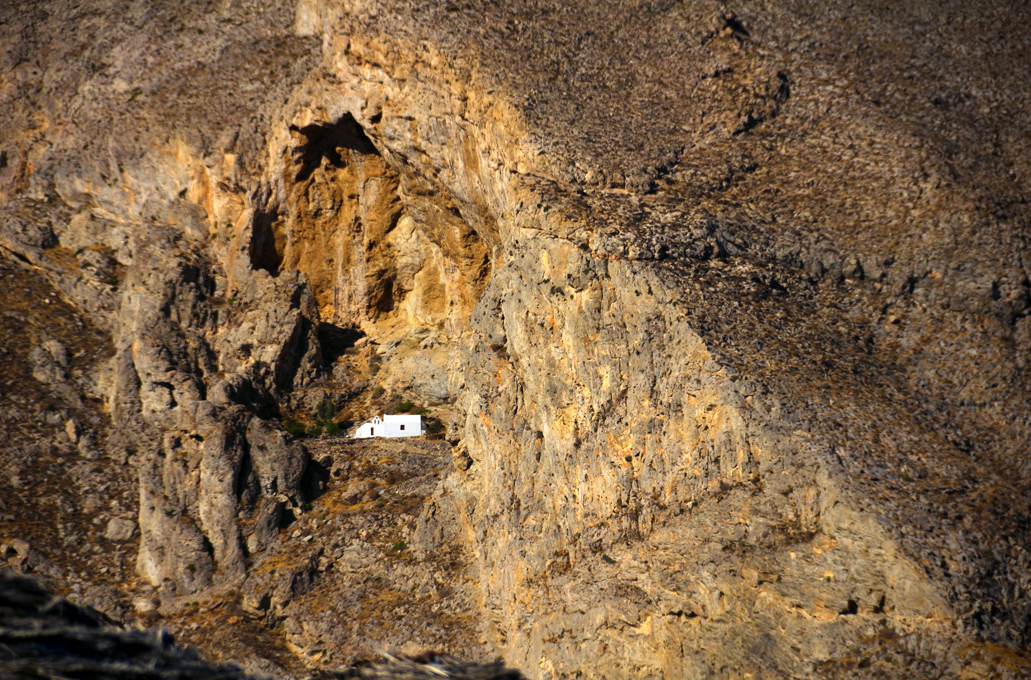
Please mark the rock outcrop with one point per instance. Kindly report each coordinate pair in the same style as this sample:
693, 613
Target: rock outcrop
725, 309
45, 635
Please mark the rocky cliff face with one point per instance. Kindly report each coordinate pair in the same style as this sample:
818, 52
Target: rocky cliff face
724, 309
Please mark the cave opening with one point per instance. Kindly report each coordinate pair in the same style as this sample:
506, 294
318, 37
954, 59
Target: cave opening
265, 252
337, 340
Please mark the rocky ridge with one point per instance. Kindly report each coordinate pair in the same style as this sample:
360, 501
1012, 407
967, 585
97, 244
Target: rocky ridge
732, 369
48, 636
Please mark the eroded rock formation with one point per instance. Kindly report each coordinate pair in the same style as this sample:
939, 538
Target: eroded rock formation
725, 308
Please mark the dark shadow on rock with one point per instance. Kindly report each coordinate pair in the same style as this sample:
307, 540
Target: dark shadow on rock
324, 141
336, 340
264, 251
316, 479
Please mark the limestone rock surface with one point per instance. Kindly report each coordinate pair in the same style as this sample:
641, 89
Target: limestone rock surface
722, 308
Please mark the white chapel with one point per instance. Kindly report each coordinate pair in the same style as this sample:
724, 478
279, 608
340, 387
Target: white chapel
391, 426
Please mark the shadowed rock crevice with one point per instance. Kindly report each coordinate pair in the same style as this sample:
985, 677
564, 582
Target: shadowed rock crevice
265, 251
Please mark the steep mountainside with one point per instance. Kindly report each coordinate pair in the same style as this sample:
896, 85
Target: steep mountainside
722, 307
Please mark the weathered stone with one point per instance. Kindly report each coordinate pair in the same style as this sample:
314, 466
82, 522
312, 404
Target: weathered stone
50, 362
728, 392
25, 559
119, 529
72, 429
145, 605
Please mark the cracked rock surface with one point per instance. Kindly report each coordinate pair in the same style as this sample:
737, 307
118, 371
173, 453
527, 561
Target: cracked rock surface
719, 312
